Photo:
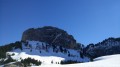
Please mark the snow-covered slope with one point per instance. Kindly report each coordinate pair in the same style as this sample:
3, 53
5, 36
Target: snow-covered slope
46, 53
104, 61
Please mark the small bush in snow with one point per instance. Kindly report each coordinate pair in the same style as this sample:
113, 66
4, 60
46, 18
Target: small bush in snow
9, 59
28, 62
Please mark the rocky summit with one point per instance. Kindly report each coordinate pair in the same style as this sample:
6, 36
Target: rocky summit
50, 35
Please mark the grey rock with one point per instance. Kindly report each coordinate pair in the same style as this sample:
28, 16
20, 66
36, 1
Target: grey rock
50, 35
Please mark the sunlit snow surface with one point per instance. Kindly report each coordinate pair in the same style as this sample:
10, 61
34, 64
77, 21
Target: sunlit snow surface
104, 61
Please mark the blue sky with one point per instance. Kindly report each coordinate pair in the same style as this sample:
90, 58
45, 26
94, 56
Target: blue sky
89, 21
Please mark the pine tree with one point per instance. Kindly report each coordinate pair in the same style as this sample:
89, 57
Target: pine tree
52, 62
61, 49
81, 55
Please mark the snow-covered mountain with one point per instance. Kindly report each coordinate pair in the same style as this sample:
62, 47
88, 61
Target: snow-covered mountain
45, 53
51, 45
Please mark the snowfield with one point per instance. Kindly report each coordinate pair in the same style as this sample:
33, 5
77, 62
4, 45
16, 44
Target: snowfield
104, 61
38, 51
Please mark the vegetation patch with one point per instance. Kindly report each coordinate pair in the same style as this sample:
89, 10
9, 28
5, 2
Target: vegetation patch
29, 62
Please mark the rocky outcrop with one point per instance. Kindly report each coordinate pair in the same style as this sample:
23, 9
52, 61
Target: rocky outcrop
51, 35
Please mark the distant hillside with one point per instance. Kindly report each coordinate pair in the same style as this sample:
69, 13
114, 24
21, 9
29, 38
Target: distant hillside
106, 47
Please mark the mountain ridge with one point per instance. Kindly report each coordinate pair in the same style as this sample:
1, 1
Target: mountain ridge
108, 46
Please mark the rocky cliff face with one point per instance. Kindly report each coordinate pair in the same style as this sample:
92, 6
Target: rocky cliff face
51, 35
